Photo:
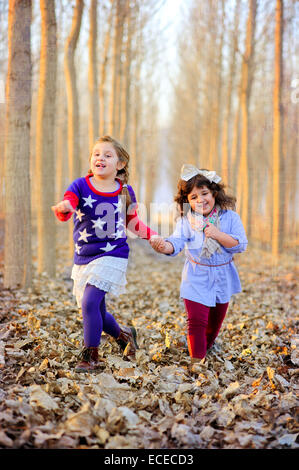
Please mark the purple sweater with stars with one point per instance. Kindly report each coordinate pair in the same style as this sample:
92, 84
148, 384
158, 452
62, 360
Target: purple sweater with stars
100, 221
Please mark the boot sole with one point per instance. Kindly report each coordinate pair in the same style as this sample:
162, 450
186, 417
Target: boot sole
123, 345
134, 333
81, 369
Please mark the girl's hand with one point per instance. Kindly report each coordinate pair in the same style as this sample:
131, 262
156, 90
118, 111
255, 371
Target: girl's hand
211, 231
223, 238
157, 243
63, 206
160, 245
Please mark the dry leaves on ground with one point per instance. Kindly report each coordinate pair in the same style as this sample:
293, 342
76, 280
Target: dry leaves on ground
244, 395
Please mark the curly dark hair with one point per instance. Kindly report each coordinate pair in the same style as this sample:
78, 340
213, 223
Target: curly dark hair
217, 189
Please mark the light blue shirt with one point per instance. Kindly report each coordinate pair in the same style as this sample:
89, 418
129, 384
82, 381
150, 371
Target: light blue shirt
209, 285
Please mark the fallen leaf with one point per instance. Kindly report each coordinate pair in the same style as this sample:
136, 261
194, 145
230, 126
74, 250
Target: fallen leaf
5, 440
82, 422
231, 390
38, 397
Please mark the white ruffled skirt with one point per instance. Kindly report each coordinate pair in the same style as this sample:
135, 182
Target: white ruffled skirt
106, 273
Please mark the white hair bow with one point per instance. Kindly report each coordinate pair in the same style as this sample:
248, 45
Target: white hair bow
188, 171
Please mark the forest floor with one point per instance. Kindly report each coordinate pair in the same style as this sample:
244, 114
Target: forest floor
243, 396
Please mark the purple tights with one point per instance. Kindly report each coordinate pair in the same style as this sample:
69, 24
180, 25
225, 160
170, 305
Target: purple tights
95, 317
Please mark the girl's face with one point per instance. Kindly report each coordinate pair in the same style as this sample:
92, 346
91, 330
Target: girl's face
201, 200
104, 161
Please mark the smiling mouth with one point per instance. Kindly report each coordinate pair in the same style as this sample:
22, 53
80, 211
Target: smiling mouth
100, 165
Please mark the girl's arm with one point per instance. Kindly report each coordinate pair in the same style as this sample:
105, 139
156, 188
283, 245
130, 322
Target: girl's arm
136, 226
234, 239
64, 209
175, 243
227, 241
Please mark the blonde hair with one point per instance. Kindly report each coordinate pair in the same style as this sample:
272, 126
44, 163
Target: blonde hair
123, 157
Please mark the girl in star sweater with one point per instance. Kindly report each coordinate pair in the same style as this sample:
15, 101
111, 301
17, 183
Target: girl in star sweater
104, 205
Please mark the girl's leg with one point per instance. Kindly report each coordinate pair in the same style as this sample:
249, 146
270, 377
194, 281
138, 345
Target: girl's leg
216, 317
92, 317
125, 336
197, 321
110, 325
96, 319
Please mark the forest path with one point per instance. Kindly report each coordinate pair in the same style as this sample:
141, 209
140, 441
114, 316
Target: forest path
242, 396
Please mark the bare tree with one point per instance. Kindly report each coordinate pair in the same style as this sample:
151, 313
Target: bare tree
126, 81
278, 164
72, 101
45, 139
246, 82
103, 75
226, 160
17, 245
93, 74
72, 93
114, 105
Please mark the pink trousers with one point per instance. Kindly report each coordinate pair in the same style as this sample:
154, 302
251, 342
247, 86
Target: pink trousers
204, 324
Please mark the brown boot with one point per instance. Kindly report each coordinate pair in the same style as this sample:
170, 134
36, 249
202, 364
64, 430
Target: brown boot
127, 341
89, 360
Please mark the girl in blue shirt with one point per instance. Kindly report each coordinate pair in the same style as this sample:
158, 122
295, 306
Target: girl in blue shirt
211, 232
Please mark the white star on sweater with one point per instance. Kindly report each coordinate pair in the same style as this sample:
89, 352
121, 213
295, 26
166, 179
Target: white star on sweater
118, 206
89, 201
120, 222
118, 234
108, 247
84, 235
79, 214
99, 223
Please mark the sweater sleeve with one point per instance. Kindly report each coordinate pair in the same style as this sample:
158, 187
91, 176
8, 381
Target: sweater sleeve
136, 226
73, 198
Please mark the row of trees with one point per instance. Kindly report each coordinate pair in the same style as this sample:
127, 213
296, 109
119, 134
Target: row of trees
236, 107
59, 99
76, 70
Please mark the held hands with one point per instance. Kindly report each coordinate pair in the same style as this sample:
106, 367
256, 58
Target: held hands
160, 245
64, 207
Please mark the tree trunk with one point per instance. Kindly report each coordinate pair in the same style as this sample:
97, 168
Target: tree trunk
126, 89
278, 167
219, 98
92, 75
246, 80
211, 90
72, 94
119, 67
62, 178
17, 244
136, 114
45, 140
226, 171
103, 73
72, 103
113, 128
234, 160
